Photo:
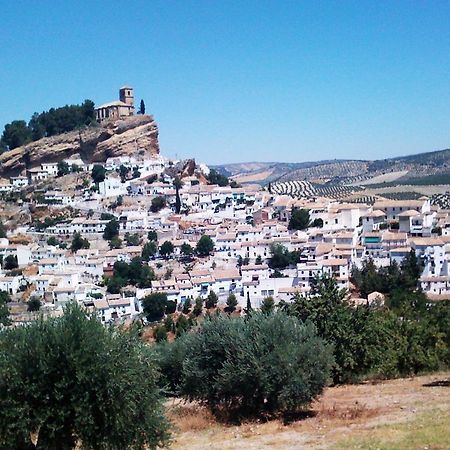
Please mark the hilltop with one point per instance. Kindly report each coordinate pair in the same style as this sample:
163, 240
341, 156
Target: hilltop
95, 143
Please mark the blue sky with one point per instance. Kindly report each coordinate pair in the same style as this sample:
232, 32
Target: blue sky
233, 81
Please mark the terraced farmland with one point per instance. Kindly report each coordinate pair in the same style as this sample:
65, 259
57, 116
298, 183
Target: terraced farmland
442, 200
305, 189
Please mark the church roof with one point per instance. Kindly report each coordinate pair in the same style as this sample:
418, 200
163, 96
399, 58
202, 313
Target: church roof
115, 103
126, 87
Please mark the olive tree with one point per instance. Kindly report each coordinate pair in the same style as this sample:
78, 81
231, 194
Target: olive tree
243, 367
70, 382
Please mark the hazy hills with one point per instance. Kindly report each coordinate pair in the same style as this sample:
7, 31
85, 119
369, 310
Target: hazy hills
364, 172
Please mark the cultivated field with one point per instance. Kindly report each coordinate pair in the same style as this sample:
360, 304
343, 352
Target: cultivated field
409, 414
383, 178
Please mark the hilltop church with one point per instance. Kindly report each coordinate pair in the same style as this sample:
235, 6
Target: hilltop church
124, 107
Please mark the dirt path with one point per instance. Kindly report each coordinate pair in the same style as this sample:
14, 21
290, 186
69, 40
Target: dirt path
341, 415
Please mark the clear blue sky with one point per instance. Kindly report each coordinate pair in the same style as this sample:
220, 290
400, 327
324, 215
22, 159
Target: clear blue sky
232, 81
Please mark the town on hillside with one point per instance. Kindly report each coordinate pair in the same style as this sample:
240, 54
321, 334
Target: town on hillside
110, 234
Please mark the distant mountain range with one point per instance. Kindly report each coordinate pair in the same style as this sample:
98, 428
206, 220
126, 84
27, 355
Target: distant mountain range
348, 172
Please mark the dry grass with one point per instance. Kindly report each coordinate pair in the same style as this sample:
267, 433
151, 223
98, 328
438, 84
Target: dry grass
189, 416
386, 415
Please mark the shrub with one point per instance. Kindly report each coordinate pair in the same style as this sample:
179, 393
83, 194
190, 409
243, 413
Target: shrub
263, 364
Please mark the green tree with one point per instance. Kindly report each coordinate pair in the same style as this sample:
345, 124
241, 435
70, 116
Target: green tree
34, 304
280, 256
142, 107
152, 236
149, 250
4, 310
123, 173
53, 241
154, 306
157, 204
160, 333
132, 239
181, 326
2, 230
115, 242
63, 168
205, 246
299, 219
263, 364
10, 262
98, 173
198, 307
111, 229
16, 134
166, 249
78, 242
186, 249
177, 183
211, 300
268, 305
215, 177
105, 396
187, 306
231, 303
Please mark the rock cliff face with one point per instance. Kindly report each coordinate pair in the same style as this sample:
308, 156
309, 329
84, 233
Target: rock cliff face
135, 135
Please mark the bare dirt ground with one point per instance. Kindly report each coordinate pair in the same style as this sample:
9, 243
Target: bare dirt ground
253, 177
410, 413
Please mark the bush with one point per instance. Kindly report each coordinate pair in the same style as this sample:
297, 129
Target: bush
158, 203
264, 364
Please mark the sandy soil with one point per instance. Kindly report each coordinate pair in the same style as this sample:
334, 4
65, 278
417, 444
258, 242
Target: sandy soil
342, 413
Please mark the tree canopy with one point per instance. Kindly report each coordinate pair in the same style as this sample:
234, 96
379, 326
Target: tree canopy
96, 388
98, 173
48, 123
299, 219
248, 367
205, 246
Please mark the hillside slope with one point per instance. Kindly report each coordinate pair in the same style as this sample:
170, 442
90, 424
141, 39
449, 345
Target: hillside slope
342, 171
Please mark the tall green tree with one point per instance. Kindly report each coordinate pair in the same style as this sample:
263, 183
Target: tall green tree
4, 310
96, 388
299, 219
142, 107
177, 183
248, 367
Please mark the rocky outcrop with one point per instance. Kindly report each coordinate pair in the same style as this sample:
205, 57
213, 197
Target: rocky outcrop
135, 135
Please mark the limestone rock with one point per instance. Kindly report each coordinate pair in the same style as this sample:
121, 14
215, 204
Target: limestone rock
135, 135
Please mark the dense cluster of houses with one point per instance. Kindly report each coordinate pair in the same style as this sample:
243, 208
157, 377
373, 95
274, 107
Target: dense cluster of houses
245, 223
